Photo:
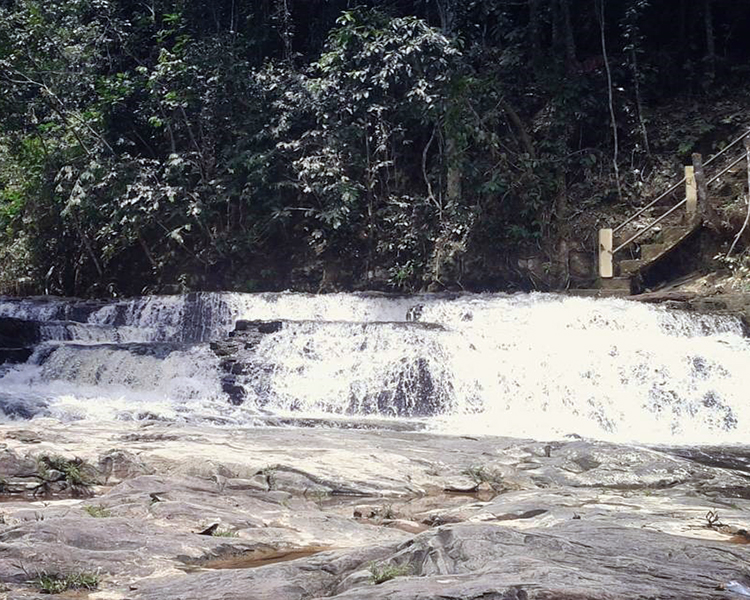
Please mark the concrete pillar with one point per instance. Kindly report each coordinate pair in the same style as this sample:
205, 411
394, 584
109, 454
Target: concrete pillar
606, 270
691, 193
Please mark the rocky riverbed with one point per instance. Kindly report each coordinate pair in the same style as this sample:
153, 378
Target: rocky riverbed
154, 510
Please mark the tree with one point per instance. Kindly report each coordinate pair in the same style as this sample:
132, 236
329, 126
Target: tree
351, 166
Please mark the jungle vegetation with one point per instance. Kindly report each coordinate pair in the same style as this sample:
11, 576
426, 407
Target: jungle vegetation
160, 145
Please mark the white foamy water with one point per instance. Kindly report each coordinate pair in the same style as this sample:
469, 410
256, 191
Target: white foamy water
536, 365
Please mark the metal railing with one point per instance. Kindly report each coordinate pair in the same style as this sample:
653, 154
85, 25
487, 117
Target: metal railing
673, 189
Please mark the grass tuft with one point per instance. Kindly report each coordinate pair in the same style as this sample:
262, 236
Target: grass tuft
225, 533
74, 471
484, 475
380, 573
98, 512
57, 583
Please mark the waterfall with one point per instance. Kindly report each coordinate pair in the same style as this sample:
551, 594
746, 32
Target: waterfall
528, 365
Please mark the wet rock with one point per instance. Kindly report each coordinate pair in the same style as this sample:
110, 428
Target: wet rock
410, 389
712, 301
262, 327
18, 333
17, 338
12, 465
21, 408
15, 355
237, 357
234, 391
413, 393
302, 579
471, 561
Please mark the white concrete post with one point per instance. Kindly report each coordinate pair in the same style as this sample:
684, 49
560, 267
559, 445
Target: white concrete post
691, 193
605, 254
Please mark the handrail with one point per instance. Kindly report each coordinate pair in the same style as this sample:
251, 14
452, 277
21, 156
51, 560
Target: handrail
640, 232
680, 182
725, 169
649, 205
727, 147
651, 225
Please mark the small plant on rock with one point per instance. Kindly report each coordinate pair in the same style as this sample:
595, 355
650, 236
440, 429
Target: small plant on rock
380, 573
224, 533
483, 475
74, 474
57, 583
713, 520
388, 512
98, 512
269, 473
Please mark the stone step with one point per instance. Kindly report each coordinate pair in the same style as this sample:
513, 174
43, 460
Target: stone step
651, 252
614, 283
672, 223
630, 267
671, 235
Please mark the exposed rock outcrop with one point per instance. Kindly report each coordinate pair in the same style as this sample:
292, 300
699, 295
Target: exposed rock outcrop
354, 514
17, 338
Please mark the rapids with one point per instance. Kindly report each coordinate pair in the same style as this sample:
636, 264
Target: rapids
531, 365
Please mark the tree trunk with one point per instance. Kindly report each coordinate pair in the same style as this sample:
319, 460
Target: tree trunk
285, 26
562, 254
710, 42
526, 142
448, 12
535, 35
453, 187
638, 99
616, 143
683, 21
567, 35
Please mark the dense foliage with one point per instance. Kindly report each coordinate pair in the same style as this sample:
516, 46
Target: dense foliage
176, 143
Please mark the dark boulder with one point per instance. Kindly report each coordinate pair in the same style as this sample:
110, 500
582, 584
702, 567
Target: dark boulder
14, 355
263, 327
21, 408
238, 358
18, 333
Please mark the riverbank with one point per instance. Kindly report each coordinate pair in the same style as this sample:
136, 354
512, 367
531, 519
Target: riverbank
312, 513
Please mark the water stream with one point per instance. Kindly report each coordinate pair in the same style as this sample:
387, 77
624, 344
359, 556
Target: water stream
537, 365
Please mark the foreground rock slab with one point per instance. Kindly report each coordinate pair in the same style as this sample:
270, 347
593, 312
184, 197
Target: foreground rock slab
161, 510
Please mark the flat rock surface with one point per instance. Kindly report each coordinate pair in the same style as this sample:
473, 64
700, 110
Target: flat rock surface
162, 510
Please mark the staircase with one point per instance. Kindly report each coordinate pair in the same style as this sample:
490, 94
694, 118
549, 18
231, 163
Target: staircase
666, 231
671, 237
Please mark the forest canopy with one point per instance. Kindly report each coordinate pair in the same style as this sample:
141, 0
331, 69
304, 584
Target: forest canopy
158, 145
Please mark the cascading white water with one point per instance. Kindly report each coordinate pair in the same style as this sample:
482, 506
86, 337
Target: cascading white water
537, 365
